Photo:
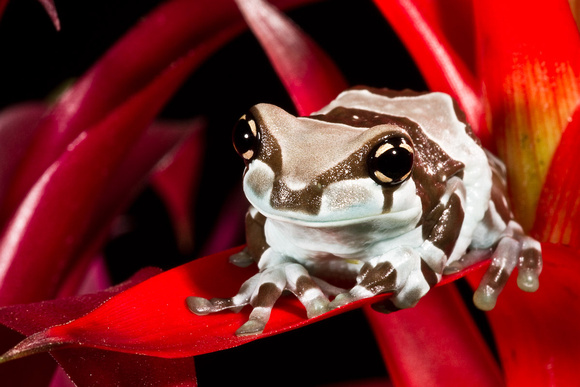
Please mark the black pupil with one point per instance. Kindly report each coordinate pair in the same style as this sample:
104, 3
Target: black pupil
396, 162
243, 138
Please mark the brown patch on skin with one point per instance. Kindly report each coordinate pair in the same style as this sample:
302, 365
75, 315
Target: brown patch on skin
255, 237
531, 259
429, 274
378, 279
303, 284
496, 277
268, 294
446, 231
432, 165
499, 193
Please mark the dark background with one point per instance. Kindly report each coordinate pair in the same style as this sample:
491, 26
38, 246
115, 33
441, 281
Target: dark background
36, 60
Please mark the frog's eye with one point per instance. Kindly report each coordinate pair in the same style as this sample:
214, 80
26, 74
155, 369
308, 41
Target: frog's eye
391, 162
246, 137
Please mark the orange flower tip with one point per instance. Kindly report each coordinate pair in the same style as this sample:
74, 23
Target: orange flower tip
34, 344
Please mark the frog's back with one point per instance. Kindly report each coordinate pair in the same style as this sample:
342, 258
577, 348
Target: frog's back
444, 143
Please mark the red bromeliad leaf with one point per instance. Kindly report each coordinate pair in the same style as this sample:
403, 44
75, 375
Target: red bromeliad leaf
558, 213
17, 127
30, 318
168, 33
537, 333
33, 257
301, 65
175, 180
531, 78
152, 318
435, 343
417, 24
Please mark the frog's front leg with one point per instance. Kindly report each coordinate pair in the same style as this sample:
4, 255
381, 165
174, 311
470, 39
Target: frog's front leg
410, 272
277, 274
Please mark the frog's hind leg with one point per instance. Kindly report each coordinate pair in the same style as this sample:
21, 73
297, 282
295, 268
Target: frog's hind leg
514, 249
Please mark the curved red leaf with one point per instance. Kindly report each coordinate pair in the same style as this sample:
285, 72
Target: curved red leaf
309, 75
152, 318
435, 343
440, 65
558, 213
537, 333
531, 77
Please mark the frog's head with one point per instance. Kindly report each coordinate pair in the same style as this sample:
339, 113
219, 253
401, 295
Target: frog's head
336, 168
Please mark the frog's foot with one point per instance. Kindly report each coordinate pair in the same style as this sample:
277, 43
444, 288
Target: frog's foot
399, 271
263, 290
513, 249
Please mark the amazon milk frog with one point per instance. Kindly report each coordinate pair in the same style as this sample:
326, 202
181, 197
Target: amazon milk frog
380, 191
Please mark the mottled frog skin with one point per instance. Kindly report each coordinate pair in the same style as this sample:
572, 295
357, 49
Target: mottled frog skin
380, 191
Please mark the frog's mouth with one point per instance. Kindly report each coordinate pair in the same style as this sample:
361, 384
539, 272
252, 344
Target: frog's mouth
394, 220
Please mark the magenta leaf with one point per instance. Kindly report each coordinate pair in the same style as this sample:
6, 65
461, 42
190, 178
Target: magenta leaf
32, 257
129, 66
309, 75
18, 124
176, 180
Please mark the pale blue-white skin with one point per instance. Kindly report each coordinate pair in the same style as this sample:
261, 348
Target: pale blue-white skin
353, 235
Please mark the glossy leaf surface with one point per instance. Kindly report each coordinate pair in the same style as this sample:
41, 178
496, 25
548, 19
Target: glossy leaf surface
147, 319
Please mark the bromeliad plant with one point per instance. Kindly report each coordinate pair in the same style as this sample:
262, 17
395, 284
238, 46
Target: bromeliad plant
82, 157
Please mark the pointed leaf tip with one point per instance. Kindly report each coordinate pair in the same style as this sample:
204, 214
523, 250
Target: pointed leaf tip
50, 9
37, 343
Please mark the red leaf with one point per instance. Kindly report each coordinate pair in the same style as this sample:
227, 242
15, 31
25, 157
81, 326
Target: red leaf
558, 213
309, 75
436, 343
417, 25
537, 333
30, 318
531, 79
152, 318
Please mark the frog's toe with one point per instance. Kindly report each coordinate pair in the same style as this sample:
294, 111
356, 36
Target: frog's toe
307, 290
503, 262
251, 327
529, 265
199, 306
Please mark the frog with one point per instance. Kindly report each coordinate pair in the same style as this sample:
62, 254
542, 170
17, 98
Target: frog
380, 191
